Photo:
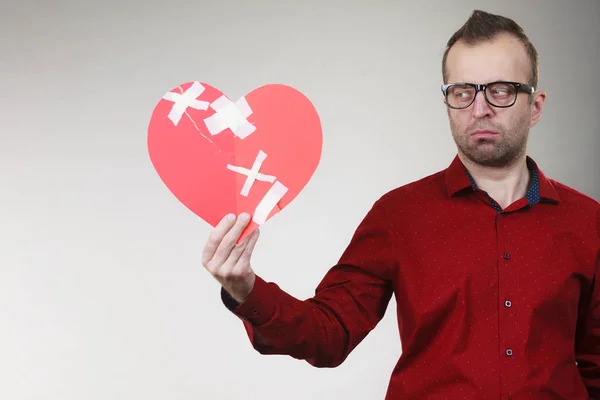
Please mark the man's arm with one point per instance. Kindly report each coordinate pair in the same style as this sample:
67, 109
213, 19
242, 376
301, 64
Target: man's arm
588, 347
348, 303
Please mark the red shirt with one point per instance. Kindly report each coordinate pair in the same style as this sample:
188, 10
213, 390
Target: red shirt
491, 303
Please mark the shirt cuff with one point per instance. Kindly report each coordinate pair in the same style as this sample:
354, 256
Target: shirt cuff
258, 308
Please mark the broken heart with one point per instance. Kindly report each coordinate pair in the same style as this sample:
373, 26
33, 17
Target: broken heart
218, 156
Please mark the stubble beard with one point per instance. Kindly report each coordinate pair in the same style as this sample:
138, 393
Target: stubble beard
498, 152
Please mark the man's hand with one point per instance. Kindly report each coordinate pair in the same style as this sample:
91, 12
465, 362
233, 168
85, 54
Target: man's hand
228, 261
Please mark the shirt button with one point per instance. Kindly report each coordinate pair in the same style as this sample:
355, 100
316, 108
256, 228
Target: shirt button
509, 352
506, 256
507, 304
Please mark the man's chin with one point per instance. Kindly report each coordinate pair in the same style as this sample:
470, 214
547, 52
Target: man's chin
489, 158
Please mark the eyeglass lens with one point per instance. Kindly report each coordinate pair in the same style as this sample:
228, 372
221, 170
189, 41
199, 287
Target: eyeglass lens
499, 94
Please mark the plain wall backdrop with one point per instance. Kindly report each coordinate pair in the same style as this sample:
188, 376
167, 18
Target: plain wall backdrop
102, 291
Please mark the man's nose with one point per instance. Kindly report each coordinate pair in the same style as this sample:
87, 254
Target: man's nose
481, 107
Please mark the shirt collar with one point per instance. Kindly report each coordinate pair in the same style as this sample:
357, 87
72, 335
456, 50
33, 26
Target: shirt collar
458, 179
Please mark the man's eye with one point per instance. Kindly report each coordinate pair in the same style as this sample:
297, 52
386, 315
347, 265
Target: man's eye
463, 94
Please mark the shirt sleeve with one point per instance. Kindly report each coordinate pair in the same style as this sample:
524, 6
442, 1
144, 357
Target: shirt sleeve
588, 350
348, 303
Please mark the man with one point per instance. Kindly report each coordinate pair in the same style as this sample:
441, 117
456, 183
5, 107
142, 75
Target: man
495, 267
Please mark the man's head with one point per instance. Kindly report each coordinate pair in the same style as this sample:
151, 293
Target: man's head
490, 48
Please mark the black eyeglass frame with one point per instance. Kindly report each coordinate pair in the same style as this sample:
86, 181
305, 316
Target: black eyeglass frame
524, 87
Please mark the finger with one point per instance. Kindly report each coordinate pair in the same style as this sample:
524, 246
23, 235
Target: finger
216, 236
230, 239
228, 268
244, 259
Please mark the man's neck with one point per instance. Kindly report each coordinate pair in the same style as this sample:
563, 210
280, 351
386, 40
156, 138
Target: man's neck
503, 184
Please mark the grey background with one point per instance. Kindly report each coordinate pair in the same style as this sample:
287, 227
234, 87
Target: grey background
102, 294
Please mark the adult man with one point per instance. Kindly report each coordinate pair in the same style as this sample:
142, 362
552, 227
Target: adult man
495, 267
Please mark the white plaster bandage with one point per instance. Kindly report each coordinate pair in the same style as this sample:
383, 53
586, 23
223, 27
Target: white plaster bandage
188, 99
268, 202
252, 175
230, 115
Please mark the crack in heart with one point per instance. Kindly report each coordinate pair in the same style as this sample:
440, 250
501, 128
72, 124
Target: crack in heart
229, 154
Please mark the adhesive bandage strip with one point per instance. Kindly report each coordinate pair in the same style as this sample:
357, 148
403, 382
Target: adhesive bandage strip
268, 202
230, 115
252, 175
185, 100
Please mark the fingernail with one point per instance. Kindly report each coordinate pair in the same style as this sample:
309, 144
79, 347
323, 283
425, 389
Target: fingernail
230, 217
245, 217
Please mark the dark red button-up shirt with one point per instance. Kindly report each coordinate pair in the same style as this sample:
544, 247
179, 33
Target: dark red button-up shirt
491, 303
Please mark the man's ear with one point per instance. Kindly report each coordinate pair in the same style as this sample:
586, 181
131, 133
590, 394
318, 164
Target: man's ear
537, 105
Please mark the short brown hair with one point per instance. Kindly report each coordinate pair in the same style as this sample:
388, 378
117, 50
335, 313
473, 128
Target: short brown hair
482, 26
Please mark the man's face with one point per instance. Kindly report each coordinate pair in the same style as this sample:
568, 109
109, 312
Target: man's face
503, 59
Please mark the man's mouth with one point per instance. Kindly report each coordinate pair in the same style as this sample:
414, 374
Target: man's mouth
484, 134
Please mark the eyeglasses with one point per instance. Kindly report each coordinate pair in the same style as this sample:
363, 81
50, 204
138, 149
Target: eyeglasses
500, 94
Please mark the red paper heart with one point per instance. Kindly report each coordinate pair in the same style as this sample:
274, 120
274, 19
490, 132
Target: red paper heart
204, 147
